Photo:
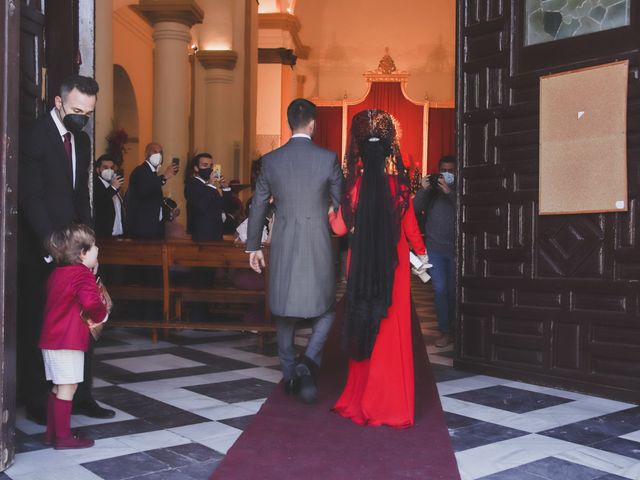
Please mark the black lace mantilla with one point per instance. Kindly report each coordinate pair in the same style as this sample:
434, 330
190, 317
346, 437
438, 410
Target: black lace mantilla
376, 197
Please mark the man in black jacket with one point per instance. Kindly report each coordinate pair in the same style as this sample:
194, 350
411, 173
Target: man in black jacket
143, 202
107, 203
208, 197
437, 200
53, 176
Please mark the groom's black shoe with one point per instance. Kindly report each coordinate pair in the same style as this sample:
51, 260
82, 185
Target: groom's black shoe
305, 370
90, 408
37, 414
291, 386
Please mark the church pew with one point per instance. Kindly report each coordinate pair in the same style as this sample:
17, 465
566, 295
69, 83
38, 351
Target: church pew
183, 253
221, 255
136, 253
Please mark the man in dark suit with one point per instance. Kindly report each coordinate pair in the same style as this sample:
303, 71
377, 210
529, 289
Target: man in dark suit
207, 198
107, 203
143, 202
303, 178
53, 192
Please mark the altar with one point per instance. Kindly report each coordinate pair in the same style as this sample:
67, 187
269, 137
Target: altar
427, 128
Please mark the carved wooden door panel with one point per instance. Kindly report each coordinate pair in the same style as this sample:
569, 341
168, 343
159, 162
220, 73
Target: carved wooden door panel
548, 299
9, 107
32, 67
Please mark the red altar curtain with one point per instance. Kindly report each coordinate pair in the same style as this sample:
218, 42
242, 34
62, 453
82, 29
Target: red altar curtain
328, 132
442, 136
388, 96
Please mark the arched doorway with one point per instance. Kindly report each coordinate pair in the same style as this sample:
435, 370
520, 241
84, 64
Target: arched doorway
125, 115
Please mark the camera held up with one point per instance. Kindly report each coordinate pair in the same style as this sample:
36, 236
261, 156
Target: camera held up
433, 179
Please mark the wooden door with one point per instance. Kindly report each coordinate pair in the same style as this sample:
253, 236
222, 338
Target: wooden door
9, 107
32, 67
62, 55
547, 299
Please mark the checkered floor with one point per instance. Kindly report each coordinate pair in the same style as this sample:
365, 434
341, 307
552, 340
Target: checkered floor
183, 402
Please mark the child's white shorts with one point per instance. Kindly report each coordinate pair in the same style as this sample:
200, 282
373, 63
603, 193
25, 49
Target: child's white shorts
64, 367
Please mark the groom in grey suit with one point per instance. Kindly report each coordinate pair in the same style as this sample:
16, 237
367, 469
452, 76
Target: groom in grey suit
302, 178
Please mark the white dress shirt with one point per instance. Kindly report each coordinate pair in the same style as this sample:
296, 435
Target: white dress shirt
117, 205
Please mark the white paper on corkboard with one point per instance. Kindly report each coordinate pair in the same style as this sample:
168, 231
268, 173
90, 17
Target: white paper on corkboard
583, 140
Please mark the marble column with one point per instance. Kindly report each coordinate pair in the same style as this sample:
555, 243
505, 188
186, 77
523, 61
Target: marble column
172, 21
104, 74
219, 65
279, 48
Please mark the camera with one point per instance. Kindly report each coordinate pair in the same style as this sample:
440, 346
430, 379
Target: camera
433, 179
169, 203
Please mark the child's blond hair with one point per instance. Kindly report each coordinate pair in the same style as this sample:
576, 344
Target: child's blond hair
67, 244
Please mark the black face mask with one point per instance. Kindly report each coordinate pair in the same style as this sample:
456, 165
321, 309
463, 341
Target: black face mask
74, 122
205, 173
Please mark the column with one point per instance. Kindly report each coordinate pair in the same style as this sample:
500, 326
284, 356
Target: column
219, 66
104, 74
279, 48
276, 89
172, 21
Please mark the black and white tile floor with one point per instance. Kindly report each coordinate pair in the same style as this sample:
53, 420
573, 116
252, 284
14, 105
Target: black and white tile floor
182, 403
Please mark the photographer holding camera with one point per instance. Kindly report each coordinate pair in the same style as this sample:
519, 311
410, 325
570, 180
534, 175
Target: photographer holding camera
107, 202
143, 201
208, 196
435, 202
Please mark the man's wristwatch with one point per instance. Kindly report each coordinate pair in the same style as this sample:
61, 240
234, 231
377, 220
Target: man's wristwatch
163, 179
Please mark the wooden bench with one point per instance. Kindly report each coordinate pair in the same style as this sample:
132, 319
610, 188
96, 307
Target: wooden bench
127, 252
183, 253
223, 255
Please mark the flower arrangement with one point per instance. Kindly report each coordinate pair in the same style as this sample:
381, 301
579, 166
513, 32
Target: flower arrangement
117, 144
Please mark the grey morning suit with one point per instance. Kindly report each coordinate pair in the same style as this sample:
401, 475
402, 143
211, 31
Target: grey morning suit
302, 178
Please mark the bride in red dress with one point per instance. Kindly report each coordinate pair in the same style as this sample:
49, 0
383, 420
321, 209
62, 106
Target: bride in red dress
377, 212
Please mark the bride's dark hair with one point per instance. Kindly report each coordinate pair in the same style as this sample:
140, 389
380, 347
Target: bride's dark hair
372, 212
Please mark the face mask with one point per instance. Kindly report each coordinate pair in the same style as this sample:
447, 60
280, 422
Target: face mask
449, 178
155, 159
74, 122
205, 173
107, 174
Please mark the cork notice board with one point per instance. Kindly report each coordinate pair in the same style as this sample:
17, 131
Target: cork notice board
583, 140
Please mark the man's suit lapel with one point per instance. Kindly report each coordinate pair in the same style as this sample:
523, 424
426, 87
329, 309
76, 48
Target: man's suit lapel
60, 152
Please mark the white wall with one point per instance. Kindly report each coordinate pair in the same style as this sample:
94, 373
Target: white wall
220, 131
348, 38
133, 51
268, 125
269, 99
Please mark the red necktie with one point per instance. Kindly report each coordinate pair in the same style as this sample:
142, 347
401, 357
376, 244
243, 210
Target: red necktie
67, 147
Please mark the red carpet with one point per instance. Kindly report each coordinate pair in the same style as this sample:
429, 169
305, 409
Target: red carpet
290, 440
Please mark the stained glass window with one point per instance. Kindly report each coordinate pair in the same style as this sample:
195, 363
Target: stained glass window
549, 20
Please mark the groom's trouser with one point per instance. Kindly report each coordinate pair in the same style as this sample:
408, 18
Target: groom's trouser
285, 330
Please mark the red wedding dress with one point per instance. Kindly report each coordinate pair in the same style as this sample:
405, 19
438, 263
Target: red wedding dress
380, 389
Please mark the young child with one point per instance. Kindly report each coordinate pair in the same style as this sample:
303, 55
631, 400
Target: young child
71, 289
